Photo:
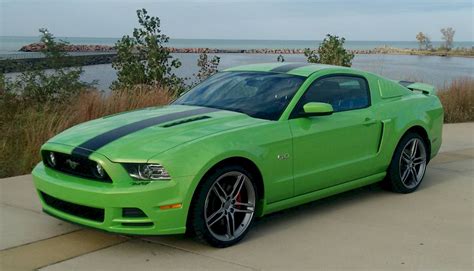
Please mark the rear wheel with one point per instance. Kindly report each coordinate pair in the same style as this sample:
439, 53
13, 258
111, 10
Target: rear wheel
408, 165
224, 206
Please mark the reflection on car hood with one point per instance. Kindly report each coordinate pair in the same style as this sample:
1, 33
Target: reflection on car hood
141, 134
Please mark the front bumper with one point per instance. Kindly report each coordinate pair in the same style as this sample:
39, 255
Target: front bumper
111, 200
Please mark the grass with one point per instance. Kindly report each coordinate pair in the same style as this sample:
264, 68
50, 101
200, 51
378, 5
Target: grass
25, 127
458, 100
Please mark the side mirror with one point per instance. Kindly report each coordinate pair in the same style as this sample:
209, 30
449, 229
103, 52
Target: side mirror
317, 109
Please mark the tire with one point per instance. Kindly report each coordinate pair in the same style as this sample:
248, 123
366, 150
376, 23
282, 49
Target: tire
408, 165
223, 208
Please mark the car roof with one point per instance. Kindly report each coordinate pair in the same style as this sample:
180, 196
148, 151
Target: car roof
294, 68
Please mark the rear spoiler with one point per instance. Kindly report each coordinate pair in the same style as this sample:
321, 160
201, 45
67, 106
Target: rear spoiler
416, 86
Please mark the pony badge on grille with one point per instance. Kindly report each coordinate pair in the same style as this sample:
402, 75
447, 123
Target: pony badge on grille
72, 164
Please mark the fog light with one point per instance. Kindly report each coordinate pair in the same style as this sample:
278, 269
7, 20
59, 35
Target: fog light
52, 159
133, 212
100, 170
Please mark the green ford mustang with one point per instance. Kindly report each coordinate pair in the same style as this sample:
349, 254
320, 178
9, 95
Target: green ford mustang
246, 142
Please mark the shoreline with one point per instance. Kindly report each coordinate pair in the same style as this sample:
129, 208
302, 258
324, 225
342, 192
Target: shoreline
88, 55
460, 52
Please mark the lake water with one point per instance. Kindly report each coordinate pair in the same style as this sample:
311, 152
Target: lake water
429, 69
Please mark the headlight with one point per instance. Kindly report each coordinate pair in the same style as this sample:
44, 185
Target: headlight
147, 172
52, 159
100, 171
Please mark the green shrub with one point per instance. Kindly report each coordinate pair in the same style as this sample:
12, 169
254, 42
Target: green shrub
331, 51
143, 59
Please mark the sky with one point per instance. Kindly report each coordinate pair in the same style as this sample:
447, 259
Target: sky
387, 20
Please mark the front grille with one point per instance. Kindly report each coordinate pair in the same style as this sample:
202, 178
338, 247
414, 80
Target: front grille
75, 165
95, 214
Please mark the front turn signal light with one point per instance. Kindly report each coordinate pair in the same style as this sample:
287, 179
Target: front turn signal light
171, 206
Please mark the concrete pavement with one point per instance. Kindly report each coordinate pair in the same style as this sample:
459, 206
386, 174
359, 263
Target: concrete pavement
365, 229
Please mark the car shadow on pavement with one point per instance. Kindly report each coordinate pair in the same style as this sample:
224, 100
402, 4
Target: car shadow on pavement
319, 207
352, 201
271, 223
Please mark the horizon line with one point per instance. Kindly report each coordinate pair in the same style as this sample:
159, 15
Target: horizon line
244, 39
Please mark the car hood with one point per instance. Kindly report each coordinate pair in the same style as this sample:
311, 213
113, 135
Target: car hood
139, 135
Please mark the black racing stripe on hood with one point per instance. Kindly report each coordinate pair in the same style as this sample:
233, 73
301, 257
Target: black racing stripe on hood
95, 143
289, 67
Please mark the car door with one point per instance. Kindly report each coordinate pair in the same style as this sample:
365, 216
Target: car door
337, 148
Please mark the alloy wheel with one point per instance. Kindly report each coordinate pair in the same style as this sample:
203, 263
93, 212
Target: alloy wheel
229, 206
412, 163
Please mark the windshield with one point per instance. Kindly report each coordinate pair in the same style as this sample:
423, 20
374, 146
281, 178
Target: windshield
257, 94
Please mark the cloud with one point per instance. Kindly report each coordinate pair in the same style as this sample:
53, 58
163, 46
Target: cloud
243, 19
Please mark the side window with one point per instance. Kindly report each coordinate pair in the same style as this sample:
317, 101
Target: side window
342, 92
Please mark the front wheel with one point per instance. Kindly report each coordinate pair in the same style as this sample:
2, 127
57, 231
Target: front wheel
408, 165
224, 206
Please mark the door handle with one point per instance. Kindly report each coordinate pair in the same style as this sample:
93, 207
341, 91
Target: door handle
369, 121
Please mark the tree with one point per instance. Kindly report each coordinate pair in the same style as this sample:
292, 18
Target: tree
428, 44
424, 41
331, 51
55, 85
448, 37
421, 38
53, 50
143, 59
207, 67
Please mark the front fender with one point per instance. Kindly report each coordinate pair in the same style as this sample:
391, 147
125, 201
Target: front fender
261, 144
191, 163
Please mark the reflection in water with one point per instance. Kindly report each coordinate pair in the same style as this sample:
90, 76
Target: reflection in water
429, 69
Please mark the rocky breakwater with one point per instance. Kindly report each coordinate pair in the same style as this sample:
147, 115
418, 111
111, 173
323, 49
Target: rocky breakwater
236, 51
106, 49
38, 47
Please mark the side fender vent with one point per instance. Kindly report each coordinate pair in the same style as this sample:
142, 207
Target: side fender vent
185, 121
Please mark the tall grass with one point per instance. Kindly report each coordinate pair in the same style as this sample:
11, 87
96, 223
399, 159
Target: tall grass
458, 100
26, 126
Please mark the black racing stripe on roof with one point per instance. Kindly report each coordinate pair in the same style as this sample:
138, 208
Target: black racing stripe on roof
93, 144
289, 67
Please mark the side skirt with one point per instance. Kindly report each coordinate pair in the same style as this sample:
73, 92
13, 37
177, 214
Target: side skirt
323, 193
